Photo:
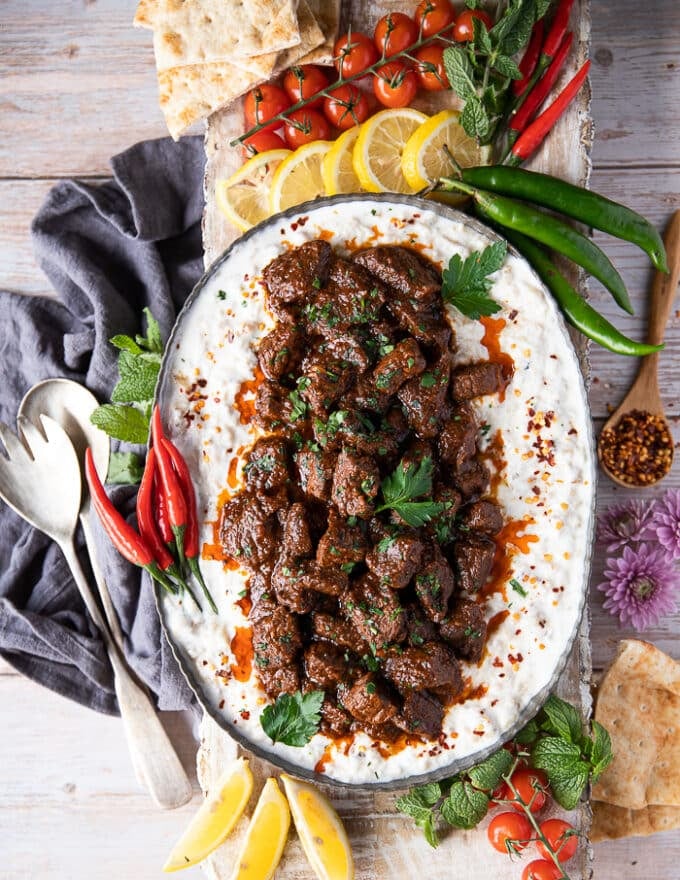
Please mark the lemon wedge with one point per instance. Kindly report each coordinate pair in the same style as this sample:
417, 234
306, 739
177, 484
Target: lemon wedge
425, 158
266, 836
320, 830
298, 178
337, 169
215, 818
377, 152
243, 198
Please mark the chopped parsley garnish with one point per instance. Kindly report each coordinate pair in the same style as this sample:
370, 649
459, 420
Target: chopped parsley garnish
518, 588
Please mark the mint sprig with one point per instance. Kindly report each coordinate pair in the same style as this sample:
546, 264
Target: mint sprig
293, 719
466, 285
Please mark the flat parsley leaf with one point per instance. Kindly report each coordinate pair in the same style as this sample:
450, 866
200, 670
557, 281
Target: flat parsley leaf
406, 483
465, 282
294, 718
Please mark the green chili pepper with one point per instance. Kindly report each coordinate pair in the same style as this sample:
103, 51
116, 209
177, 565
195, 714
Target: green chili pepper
575, 309
549, 231
574, 201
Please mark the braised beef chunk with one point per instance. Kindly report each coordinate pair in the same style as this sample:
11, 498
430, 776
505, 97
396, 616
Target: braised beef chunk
474, 380
356, 482
359, 378
402, 270
249, 534
482, 516
339, 632
421, 713
280, 352
431, 666
315, 468
369, 700
424, 398
473, 554
434, 583
266, 469
341, 545
325, 665
374, 610
396, 558
296, 275
465, 630
397, 366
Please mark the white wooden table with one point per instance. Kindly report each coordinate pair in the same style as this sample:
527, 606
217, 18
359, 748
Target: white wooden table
76, 86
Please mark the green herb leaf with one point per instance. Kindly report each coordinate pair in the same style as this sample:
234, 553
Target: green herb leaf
126, 343
460, 72
601, 751
122, 422
568, 786
465, 806
153, 341
567, 773
518, 588
465, 282
294, 718
138, 376
562, 719
419, 804
487, 775
405, 484
474, 118
482, 40
507, 67
125, 468
529, 733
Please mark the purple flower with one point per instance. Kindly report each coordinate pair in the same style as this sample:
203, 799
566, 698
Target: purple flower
640, 586
624, 524
666, 523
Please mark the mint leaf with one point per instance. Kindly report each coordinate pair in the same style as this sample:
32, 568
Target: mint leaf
568, 787
465, 284
153, 341
555, 755
125, 468
529, 733
138, 375
460, 73
122, 422
126, 343
474, 118
562, 719
481, 40
429, 831
507, 67
523, 14
488, 774
294, 718
465, 806
601, 751
428, 794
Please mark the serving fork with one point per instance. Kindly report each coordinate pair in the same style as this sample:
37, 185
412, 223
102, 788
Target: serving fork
41, 481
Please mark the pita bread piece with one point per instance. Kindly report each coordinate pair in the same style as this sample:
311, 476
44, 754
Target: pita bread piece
639, 704
188, 32
311, 36
610, 822
327, 15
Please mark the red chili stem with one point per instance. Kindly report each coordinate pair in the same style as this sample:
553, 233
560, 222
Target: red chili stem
532, 137
530, 59
558, 28
177, 508
145, 517
540, 91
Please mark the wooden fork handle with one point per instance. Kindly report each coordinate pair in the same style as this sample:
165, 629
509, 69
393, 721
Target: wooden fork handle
153, 754
665, 286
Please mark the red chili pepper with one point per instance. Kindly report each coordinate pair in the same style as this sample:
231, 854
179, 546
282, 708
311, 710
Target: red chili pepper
145, 518
191, 548
558, 29
161, 508
529, 60
539, 92
532, 136
123, 537
170, 487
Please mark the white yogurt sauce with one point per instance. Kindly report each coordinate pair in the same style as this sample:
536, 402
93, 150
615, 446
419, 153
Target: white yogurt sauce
545, 487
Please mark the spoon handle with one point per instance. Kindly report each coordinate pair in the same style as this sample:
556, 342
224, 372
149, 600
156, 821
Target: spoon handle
665, 286
152, 752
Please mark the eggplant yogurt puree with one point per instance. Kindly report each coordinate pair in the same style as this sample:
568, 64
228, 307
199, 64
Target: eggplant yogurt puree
334, 366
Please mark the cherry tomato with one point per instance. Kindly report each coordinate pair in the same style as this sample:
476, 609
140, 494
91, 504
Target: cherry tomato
304, 126
531, 786
433, 16
541, 870
303, 82
395, 85
353, 53
430, 69
261, 142
464, 30
394, 33
262, 103
506, 827
347, 106
561, 836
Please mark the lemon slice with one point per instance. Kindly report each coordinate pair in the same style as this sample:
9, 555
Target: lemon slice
266, 836
320, 830
337, 169
244, 197
298, 178
215, 818
377, 152
425, 158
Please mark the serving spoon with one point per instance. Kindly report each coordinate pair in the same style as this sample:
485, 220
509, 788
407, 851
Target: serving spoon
644, 396
155, 761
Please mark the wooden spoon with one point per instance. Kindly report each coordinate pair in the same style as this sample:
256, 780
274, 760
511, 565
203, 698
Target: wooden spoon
644, 394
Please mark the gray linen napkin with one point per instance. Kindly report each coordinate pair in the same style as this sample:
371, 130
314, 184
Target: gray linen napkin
108, 250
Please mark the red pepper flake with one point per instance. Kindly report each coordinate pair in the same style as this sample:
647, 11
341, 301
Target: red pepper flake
245, 714
513, 659
497, 662
638, 450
